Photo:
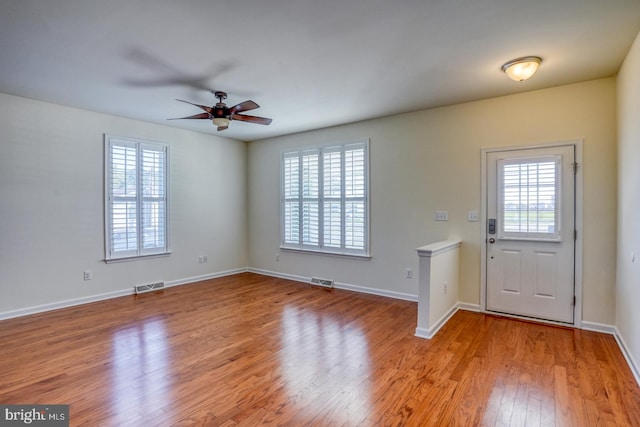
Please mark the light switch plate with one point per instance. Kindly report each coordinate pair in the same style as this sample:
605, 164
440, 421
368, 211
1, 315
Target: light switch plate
442, 216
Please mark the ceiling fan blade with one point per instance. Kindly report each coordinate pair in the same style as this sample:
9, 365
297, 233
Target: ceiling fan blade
203, 107
222, 128
243, 106
195, 116
251, 119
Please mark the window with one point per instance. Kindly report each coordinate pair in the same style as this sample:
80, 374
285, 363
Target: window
529, 196
325, 194
136, 179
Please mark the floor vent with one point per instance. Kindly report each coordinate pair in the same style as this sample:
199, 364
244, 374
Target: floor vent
325, 283
140, 289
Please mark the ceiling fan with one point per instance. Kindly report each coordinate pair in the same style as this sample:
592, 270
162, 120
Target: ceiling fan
221, 115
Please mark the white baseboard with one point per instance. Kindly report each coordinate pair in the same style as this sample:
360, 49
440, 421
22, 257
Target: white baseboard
624, 349
194, 279
279, 275
430, 333
108, 295
63, 304
469, 307
423, 333
338, 285
598, 327
379, 292
631, 361
177, 282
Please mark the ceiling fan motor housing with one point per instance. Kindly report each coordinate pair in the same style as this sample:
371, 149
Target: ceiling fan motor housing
220, 110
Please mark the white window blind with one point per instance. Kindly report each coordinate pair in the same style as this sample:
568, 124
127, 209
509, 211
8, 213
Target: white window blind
136, 178
325, 199
529, 194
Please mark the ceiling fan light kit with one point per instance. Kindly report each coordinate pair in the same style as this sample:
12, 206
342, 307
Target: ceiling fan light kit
221, 121
521, 69
221, 115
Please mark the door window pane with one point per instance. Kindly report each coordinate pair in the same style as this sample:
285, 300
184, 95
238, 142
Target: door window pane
529, 197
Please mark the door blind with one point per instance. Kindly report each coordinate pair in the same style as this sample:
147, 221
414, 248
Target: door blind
529, 197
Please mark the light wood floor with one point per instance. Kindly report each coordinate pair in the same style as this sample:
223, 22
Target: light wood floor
251, 350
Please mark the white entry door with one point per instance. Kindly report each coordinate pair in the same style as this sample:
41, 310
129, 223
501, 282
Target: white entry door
531, 233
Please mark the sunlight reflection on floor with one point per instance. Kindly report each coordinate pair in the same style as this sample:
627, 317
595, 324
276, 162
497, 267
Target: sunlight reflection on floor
140, 365
325, 365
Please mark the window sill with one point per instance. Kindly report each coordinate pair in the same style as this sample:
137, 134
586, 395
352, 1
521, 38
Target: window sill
325, 253
136, 258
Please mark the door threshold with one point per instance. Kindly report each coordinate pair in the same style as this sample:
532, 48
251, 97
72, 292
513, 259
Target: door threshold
531, 319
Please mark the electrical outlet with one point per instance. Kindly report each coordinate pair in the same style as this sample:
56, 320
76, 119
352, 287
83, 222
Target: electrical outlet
88, 275
408, 273
444, 285
442, 216
277, 257
205, 258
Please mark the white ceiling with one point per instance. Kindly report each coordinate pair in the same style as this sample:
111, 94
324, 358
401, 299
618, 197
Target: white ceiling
308, 63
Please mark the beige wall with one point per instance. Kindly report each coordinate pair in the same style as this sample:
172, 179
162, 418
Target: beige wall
51, 182
628, 284
430, 160
52, 205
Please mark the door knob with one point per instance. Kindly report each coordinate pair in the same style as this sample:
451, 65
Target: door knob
492, 240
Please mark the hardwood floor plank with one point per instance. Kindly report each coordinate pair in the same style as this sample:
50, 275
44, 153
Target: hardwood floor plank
563, 406
534, 412
246, 350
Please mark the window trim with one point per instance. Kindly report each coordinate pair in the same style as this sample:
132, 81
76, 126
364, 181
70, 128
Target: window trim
109, 141
364, 253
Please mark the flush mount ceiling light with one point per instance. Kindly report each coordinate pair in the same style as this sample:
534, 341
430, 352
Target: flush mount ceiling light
521, 69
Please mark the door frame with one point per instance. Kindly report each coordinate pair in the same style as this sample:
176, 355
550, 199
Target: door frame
577, 145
